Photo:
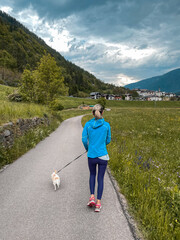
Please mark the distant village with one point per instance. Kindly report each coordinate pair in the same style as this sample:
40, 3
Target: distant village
144, 95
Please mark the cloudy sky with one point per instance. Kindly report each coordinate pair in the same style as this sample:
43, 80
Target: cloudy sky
119, 41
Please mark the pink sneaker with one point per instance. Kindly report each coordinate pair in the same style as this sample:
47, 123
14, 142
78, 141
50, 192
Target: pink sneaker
98, 208
91, 202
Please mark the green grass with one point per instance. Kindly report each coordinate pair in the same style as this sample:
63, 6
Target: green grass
72, 102
143, 104
145, 160
72, 113
5, 90
11, 111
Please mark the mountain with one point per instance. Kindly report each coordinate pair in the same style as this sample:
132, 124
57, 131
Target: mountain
169, 82
19, 47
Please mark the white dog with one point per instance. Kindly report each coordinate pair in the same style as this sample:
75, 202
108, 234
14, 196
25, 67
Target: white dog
55, 179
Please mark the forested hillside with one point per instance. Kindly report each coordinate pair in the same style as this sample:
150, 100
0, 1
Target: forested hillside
19, 47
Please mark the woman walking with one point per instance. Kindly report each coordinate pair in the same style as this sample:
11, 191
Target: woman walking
96, 135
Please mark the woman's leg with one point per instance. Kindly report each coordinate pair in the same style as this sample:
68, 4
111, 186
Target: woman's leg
92, 179
102, 164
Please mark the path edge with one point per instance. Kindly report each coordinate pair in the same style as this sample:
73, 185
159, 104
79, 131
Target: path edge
124, 205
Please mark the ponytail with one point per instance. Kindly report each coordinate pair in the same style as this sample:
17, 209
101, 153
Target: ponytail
97, 111
97, 114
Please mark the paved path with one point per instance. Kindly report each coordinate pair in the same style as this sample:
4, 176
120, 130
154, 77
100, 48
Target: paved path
30, 209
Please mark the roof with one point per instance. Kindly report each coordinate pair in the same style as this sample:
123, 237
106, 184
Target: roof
94, 93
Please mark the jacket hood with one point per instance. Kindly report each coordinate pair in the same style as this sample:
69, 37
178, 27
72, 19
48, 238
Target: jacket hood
95, 123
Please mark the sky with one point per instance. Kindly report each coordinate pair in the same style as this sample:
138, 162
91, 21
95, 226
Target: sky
119, 41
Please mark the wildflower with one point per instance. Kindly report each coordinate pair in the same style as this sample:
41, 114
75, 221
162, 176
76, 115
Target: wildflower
146, 165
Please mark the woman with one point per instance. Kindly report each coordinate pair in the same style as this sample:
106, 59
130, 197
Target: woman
96, 135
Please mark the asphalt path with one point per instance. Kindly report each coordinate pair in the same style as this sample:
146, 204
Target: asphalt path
30, 209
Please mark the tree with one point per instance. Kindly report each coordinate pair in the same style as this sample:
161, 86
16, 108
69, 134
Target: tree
43, 84
28, 86
6, 61
134, 93
49, 80
73, 90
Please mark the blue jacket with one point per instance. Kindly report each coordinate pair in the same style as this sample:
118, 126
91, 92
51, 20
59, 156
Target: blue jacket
95, 136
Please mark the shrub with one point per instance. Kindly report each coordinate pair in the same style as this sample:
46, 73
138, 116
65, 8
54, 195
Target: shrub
56, 105
102, 102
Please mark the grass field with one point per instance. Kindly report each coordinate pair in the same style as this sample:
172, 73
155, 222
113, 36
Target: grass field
145, 160
10, 111
70, 102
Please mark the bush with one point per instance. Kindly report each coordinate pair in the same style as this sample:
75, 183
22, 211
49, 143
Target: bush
56, 105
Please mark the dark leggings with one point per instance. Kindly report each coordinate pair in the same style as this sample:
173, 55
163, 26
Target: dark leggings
102, 164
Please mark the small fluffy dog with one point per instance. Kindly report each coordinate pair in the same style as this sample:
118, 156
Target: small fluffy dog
55, 179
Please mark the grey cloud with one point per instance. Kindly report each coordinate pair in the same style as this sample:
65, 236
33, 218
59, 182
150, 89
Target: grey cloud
55, 9
138, 24
95, 60
116, 21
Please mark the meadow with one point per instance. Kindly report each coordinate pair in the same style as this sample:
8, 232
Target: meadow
10, 111
145, 160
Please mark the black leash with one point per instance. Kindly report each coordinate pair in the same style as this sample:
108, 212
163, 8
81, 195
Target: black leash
71, 161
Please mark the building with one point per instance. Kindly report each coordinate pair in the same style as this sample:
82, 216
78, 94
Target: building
118, 97
128, 97
153, 98
95, 95
148, 95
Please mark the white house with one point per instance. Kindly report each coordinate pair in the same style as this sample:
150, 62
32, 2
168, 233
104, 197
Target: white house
95, 95
154, 98
128, 97
110, 97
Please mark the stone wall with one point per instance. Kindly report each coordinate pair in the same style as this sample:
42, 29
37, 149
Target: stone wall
11, 130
